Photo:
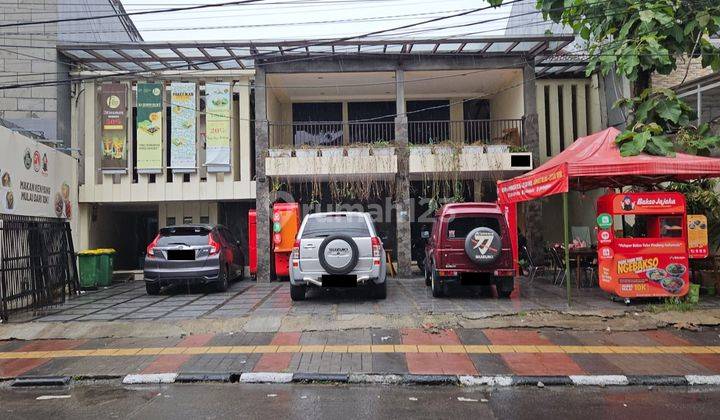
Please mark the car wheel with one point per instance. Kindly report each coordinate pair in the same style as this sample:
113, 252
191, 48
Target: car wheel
152, 288
222, 283
436, 285
427, 275
380, 290
505, 287
297, 292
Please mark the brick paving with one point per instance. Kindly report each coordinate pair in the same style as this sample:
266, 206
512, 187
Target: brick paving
534, 352
128, 302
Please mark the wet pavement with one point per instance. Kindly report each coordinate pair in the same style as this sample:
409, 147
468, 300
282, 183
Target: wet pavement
128, 302
105, 400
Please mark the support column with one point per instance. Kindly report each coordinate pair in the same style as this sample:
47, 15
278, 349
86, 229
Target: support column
262, 189
531, 139
402, 180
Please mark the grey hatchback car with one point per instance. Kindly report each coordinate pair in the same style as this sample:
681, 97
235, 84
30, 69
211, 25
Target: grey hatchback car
193, 254
338, 249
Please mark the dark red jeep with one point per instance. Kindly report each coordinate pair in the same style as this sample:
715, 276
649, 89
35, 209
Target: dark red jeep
469, 244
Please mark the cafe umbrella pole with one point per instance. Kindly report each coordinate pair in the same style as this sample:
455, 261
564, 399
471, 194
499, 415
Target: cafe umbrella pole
566, 233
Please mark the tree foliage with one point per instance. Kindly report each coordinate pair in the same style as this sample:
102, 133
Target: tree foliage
634, 39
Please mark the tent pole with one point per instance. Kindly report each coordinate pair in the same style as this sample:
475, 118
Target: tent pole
566, 233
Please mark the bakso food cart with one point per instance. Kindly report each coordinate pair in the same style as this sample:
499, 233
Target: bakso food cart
642, 244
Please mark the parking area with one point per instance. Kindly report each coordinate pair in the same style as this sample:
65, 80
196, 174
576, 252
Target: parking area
128, 301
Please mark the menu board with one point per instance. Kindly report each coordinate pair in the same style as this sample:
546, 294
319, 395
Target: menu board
697, 236
217, 117
183, 127
113, 103
149, 127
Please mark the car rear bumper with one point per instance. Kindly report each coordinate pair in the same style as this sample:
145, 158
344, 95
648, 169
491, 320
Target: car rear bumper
173, 275
316, 278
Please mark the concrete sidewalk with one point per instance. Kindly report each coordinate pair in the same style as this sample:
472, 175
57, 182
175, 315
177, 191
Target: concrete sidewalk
507, 352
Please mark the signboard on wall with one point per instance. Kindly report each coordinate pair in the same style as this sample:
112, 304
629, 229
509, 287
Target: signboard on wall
217, 117
697, 236
183, 127
149, 127
113, 103
36, 180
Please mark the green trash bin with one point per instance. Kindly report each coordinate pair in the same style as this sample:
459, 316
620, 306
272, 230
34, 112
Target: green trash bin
105, 266
88, 267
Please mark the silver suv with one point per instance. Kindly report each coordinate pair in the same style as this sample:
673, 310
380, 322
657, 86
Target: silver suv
340, 249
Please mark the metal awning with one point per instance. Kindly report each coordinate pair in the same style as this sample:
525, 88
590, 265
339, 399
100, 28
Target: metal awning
138, 57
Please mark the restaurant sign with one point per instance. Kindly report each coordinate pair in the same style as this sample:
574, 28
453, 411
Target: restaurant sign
36, 180
697, 236
182, 133
149, 127
113, 102
217, 117
548, 182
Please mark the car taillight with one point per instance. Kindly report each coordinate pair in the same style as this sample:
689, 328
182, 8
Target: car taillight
295, 254
150, 251
214, 245
375, 247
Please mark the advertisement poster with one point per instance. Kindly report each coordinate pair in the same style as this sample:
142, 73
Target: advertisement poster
182, 134
36, 180
149, 127
113, 103
217, 113
697, 236
639, 203
544, 183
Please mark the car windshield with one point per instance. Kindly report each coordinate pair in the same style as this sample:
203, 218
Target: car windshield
353, 225
460, 227
190, 236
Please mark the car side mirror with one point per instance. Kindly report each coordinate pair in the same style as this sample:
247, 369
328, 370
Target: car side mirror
425, 234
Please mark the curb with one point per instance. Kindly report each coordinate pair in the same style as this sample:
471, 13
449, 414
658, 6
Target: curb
384, 379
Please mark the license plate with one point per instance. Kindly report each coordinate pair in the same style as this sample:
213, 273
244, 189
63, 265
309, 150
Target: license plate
181, 254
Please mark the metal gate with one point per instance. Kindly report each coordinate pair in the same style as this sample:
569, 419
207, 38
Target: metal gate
37, 263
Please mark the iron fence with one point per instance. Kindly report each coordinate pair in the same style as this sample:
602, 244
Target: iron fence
332, 133
37, 264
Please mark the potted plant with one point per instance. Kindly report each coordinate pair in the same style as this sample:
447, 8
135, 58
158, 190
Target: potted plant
280, 150
357, 150
518, 149
382, 148
306, 151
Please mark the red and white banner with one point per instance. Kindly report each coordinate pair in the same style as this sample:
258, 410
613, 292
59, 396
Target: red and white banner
537, 185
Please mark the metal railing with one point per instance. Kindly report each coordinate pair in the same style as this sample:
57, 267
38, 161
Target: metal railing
37, 263
332, 133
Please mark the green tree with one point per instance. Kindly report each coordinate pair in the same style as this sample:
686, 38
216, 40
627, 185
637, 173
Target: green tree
634, 39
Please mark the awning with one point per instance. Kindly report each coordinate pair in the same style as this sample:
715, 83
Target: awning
595, 162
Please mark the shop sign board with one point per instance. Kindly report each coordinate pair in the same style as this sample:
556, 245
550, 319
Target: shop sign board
217, 117
544, 183
36, 180
149, 127
113, 105
183, 127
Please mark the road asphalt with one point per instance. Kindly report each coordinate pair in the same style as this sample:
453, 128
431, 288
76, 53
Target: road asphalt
210, 401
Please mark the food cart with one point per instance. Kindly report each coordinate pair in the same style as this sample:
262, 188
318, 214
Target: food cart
643, 244
285, 226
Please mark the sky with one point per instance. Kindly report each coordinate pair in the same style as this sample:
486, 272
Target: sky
304, 19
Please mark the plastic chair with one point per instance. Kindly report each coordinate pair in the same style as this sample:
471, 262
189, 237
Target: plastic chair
533, 268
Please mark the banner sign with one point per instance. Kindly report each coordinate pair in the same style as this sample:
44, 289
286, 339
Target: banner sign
182, 135
697, 236
548, 182
217, 113
149, 127
113, 103
640, 203
36, 180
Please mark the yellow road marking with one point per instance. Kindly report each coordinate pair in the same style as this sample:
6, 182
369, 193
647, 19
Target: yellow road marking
362, 348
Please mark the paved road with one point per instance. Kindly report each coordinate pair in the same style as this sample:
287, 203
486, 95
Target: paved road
356, 402
129, 302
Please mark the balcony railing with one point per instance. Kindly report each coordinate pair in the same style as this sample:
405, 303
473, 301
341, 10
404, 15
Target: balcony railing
334, 133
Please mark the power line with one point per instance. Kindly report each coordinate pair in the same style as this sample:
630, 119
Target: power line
116, 15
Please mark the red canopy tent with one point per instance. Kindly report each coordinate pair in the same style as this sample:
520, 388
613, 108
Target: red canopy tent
595, 162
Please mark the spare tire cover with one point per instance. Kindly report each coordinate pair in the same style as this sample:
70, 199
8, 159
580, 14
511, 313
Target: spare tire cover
483, 245
338, 254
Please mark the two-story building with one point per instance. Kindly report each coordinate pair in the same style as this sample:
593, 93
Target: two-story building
203, 132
